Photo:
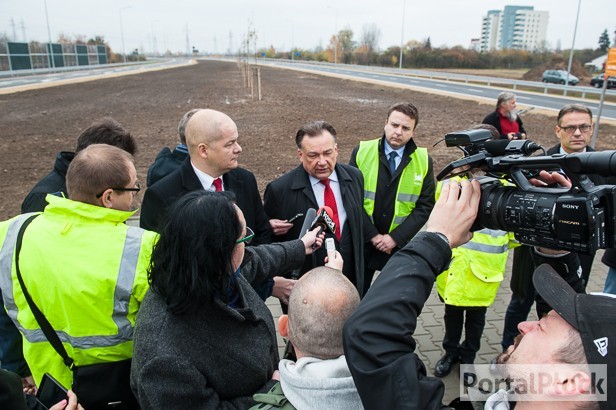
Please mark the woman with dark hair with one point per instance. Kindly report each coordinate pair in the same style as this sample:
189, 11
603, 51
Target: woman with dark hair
203, 338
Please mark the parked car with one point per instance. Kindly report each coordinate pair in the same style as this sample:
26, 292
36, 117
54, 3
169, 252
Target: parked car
597, 81
559, 77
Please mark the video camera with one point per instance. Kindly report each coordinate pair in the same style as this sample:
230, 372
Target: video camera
580, 219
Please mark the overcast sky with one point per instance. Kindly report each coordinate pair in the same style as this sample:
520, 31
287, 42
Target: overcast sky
217, 25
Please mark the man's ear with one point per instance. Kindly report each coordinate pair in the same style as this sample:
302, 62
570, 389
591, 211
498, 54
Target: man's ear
283, 325
202, 150
571, 384
106, 198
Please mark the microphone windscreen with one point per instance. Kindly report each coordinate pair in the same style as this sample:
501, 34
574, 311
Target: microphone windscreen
311, 213
327, 209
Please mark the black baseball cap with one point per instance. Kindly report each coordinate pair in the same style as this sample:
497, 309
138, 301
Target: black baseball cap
593, 315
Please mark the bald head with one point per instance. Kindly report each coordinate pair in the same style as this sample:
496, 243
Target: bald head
206, 126
211, 137
320, 303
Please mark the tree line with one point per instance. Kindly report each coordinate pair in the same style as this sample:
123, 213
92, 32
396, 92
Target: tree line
343, 48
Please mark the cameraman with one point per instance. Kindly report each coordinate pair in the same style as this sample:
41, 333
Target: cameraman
378, 337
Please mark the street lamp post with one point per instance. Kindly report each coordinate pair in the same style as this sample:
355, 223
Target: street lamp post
122, 32
335, 33
53, 63
402, 35
572, 46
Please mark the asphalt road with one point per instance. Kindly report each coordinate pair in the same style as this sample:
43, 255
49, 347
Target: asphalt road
532, 99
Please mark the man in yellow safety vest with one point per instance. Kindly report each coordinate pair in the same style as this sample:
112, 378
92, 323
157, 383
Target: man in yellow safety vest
398, 187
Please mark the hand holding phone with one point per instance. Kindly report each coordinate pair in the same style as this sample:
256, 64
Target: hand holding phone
295, 217
330, 247
50, 391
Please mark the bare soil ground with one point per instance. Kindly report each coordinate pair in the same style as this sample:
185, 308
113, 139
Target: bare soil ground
36, 124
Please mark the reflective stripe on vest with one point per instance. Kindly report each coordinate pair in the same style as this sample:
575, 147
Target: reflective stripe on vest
482, 247
489, 241
409, 185
122, 293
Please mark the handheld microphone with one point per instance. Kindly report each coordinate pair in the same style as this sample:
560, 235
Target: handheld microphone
311, 213
324, 221
506, 147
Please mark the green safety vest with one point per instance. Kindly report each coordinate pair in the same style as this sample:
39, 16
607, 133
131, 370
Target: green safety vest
409, 187
477, 267
86, 270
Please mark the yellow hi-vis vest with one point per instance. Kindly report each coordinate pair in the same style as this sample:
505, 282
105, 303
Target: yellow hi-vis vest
86, 270
477, 267
409, 187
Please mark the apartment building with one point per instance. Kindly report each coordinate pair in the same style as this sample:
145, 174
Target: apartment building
514, 27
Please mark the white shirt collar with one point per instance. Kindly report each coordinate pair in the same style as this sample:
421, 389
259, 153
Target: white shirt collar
314, 181
207, 181
562, 151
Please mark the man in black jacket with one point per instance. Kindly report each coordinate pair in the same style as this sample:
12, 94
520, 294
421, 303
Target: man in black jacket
305, 187
213, 147
398, 187
505, 118
168, 161
574, 130
104, 131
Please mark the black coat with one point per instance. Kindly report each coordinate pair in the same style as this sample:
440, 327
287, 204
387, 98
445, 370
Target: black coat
494, 119
159, 197
54, 182
165, 163
385, 201
218, 356
292, 193
378, 337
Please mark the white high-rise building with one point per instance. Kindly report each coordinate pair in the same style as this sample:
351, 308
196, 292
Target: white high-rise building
515, 27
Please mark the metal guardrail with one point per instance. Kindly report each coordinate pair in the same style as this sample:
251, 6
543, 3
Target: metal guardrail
465, 78
56, 70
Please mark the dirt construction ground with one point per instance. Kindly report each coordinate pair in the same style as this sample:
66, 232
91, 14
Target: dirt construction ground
36, 124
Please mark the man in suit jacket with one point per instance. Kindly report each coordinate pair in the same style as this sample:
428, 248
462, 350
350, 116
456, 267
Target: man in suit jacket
574, 130
397, 202
213, 147
212, 140
305, 187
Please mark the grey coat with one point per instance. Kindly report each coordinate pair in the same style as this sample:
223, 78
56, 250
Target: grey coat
217, 357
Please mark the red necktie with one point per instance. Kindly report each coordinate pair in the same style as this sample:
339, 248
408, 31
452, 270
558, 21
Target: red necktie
218, 184
330, 200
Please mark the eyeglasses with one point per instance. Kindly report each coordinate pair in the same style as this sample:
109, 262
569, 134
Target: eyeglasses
249, 235
137, 188
570, 129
